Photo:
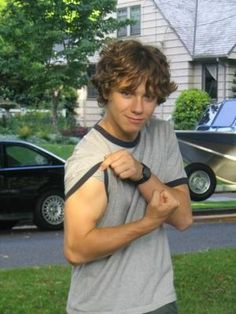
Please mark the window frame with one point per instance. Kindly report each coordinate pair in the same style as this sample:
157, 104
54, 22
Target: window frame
129, 30
206, 84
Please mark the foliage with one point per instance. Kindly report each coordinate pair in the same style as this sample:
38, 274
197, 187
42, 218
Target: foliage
189, 107
31, 123
2, 4
45, 46
205, 283
25, 131
234, 85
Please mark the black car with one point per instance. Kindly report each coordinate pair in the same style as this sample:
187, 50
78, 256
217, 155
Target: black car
31, 186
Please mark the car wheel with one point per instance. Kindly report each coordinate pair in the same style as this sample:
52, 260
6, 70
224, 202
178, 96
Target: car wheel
8, 224
201, 180
49, 211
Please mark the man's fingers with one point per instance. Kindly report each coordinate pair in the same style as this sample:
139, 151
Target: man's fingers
105, 164
109, 159
166, 197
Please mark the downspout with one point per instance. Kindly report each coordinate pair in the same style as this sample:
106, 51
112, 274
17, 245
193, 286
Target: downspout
195, 28
217, 78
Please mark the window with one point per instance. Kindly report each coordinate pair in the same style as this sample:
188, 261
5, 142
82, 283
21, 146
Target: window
92, 91
135, 16
226, 116
210, 74
23, 156
121, 16
133, 13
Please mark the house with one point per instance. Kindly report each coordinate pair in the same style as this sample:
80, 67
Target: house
197, 36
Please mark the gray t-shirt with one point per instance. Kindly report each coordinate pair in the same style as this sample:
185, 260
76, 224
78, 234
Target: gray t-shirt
138, 278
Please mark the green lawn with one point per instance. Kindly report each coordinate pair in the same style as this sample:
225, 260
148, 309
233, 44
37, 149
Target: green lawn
62, 150
205, 284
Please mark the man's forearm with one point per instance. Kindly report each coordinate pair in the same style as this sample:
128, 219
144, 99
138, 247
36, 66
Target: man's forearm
102, 242
182, 217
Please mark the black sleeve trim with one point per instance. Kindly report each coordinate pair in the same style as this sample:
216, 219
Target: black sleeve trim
85, 177
177, 182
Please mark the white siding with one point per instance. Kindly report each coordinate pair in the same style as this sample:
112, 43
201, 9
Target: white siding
232, 55
230, 69
196, 76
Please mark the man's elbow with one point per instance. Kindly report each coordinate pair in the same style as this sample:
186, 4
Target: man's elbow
185, 223
74, 257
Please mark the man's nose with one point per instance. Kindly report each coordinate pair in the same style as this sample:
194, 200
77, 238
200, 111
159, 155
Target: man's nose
137, 106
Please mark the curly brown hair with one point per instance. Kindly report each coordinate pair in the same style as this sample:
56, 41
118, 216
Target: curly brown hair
130, 63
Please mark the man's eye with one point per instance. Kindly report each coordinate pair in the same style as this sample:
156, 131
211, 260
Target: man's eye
149, 97
125, 93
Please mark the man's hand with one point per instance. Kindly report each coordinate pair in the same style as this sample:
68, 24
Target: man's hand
160, 207
124, 165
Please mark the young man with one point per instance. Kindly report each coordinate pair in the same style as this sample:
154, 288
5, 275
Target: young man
123, 182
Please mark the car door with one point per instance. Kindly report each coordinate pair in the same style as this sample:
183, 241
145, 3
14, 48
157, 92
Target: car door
26, 171
3, 185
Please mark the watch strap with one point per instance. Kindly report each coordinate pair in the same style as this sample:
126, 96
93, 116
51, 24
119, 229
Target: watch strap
146, 174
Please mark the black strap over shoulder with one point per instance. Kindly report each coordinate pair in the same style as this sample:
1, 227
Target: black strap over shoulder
85, 177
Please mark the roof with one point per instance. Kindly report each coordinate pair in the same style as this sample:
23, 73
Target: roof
207, 28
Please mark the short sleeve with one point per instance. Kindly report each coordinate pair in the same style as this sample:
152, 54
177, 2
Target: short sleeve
79, 168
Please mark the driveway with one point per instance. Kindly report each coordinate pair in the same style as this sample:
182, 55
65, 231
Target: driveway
29, 247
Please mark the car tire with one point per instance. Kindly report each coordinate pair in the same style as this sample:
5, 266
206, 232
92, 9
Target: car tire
49, 211
201, 180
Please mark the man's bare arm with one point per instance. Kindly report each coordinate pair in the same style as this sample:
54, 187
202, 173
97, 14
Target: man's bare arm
85, 242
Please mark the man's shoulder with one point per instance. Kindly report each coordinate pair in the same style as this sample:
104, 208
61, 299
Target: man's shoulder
157, 124
91, 143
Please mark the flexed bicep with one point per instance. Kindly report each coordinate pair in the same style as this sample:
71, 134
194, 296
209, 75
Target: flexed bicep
83, 209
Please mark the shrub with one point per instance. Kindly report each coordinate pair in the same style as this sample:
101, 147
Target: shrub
43, 134
75, 132
25, 131
189, 107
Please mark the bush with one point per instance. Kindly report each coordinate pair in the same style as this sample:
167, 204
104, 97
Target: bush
75, 132
189, 107
25, 131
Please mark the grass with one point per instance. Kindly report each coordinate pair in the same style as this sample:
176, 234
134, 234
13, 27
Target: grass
214, 204
62, 150
205, 283
34, 290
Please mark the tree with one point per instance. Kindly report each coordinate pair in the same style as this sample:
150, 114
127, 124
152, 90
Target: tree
189, 107
45, 46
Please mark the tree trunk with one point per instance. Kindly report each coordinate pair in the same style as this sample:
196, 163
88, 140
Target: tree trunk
55, 103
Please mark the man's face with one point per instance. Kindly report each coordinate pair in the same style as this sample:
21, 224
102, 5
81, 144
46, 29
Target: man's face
127, 112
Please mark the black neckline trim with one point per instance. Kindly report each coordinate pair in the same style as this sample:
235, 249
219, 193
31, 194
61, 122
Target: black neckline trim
115, 140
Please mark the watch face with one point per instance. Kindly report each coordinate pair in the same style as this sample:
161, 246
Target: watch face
146, 172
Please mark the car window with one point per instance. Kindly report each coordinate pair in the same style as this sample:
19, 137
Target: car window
226, 116
209, 115
23, 156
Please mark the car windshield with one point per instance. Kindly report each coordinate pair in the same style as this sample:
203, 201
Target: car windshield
219, 115
226, 116
209, 115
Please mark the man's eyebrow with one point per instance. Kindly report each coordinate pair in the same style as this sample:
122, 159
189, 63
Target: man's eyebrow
124, 89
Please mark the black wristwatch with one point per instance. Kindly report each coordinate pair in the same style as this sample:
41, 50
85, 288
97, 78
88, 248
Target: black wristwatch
146, 174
